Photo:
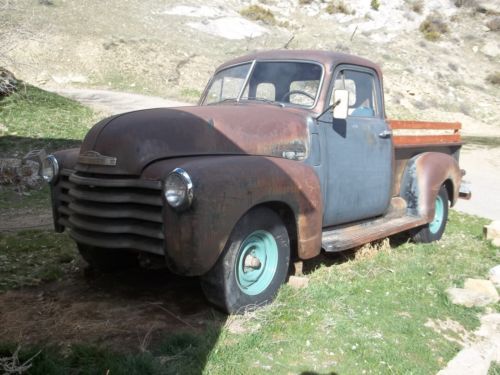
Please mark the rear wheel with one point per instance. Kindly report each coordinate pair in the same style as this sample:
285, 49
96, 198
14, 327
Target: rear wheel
435, 229
107, 260
253, 265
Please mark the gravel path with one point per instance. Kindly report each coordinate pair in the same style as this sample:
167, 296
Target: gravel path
482, 164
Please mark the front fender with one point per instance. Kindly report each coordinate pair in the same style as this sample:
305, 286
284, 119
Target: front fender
424, 175
225, 187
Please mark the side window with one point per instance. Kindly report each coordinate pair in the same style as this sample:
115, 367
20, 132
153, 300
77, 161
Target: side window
362, 92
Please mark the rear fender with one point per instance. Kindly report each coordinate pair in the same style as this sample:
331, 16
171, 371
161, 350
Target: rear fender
424, 175
225, 188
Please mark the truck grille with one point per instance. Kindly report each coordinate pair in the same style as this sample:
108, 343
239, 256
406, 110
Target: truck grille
110, 211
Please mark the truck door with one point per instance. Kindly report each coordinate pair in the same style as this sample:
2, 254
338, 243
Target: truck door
359, 151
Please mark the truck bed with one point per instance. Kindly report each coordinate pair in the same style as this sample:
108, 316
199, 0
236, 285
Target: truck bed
415, 137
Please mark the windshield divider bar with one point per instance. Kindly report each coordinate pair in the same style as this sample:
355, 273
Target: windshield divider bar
250, 71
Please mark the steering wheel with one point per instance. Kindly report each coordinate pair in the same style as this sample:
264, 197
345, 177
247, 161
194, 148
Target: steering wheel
291, 92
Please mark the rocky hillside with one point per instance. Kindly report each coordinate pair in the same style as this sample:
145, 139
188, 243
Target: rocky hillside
441, 58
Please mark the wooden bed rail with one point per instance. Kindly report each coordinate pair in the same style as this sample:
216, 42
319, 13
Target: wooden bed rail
410, 133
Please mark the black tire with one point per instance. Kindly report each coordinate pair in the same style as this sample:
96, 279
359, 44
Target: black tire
221, 285
107, 260
434, 230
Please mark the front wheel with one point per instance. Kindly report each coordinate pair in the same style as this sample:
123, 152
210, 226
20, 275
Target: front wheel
252, 266
434, 230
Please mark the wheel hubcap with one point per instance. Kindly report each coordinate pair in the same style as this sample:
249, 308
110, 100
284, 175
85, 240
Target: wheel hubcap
435, 224
256, 262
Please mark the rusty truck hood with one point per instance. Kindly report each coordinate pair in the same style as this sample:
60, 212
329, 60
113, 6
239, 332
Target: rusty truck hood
136, 139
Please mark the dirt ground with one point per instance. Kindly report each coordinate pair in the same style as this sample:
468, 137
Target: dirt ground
126, 311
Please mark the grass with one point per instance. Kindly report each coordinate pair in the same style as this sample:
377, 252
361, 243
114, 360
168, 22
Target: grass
358, 315
258, 13
31, 257
11, 198
482, 141
433, 27
33, 118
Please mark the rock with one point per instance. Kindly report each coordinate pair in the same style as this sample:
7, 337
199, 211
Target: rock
491, 49
19, 172
496, 242
494, 24
8, 83
485, 287
467, 298
475, 49
298, 282
492, 230
495, 275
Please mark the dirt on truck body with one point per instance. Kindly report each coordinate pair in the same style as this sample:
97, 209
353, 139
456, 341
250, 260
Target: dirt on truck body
287, 153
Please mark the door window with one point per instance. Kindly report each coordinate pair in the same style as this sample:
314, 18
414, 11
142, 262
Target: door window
362, 92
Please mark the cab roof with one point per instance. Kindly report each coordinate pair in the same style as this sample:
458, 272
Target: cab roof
327, 58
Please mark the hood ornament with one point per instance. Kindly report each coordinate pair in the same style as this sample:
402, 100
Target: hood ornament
95, 158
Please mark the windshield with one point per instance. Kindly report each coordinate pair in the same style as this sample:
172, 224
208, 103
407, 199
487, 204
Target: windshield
294, 83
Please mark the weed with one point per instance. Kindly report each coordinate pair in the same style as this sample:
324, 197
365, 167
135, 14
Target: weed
465, 3
258, 13
375, 4
493, 78
338, 6
305, 2
433, 27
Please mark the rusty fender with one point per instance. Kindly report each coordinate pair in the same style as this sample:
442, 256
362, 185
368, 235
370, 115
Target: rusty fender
225, 188
423, 176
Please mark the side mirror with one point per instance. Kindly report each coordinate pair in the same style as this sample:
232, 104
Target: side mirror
341, 104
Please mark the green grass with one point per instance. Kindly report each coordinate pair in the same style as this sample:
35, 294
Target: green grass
482, 141
29, 258
38, 119
365, 314
12, 198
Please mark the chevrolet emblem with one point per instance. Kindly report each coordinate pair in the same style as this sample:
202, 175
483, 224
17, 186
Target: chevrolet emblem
95, 158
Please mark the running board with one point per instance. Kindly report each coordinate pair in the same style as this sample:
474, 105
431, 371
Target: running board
357, 234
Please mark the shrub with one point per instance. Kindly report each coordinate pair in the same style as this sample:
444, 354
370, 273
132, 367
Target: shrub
465, 3
258, 13
375, 4
417, 6
338, 6
305, 2
433, 27
494, 78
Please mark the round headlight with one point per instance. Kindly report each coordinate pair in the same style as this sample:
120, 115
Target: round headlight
49, 168
179, 189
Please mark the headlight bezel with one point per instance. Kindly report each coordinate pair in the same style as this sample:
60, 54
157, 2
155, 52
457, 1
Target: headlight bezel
50, 162
188, 188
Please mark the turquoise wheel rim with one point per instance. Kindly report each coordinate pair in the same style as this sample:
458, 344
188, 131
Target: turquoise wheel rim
257, 262
436, 223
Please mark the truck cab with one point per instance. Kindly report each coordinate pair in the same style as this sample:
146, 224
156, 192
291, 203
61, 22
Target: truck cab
287, 153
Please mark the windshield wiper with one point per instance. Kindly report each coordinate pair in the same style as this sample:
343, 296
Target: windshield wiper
223, 101
269, 101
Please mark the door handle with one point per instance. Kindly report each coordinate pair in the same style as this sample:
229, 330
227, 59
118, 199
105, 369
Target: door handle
385, 134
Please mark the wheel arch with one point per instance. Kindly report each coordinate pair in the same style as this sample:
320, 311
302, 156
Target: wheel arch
424, 175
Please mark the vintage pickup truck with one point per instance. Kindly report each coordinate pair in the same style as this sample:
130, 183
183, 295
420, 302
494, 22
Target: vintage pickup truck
287, 153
